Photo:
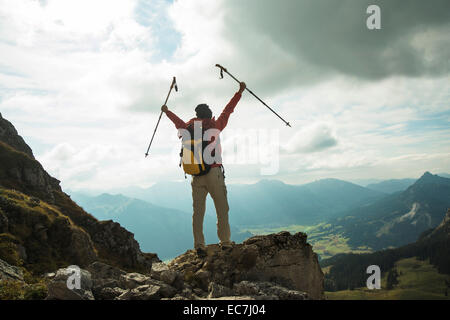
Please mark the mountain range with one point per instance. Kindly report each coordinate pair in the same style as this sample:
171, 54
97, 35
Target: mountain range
396, 219
168, 231
267, 202
392, 185
364, 217
157, 229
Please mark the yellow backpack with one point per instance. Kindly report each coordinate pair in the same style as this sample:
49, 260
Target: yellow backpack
192, 155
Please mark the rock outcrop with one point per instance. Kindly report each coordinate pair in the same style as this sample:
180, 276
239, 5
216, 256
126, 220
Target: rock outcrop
58, 288
89, 238
9, 135
281, 258
273, 267
38, 236
9, 272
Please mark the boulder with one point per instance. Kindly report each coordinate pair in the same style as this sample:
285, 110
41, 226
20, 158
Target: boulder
283, 259
133, 280
105, 280
169, 276
157, 269
201, 279
9, 272
58, 287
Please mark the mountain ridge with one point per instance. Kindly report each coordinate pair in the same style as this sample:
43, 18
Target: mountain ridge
399, 218
345, 269
20, 171
152, 225
267, 202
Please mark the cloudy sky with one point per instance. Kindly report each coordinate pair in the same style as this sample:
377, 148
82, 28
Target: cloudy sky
83, 82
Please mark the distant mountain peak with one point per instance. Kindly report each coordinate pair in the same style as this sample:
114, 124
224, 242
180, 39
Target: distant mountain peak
428, 177
270, 182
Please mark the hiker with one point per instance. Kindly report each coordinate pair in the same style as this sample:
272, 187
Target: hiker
214, 181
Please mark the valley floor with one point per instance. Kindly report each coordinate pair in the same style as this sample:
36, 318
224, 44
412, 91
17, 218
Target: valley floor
418, 280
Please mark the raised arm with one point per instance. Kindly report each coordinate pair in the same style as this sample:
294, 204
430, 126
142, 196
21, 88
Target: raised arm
222, 121
179, 124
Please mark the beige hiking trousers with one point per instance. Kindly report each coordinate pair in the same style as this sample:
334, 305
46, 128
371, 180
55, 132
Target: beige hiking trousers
214, 184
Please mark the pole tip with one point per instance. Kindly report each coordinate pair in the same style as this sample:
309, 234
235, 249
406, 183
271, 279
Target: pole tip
146, 155
288, 124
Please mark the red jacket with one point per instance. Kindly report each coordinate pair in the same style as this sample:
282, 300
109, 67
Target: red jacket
219, 124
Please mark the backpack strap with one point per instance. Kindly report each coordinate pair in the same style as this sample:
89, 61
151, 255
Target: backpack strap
223, 171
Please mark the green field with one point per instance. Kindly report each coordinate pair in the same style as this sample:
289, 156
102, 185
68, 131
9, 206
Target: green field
418, 280
325, 243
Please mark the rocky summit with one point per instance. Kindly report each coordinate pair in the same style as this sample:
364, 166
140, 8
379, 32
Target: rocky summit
271, 267
284, 259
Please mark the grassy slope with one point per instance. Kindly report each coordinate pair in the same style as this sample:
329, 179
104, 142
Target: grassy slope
30, 212
418, 280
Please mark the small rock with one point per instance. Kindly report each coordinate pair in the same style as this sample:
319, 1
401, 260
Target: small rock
145, 292
169, 276
157, 269
100, 284
133, 280
49, 275
9, 272
201, 279
246, 288
109, 293
167, 291
199, 292
187, 293
217, 290
177, 297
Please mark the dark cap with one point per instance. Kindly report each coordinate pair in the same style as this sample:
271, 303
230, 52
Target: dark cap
203, 111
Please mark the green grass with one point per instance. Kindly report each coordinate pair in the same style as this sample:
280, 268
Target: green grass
418, 280
24, 213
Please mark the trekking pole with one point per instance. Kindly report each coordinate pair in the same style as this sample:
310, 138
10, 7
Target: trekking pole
173, 85
222, 69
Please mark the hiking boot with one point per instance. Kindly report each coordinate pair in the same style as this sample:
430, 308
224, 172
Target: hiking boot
226, 245
201, 252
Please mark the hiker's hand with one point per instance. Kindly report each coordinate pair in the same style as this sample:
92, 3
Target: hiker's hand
164, 108
242, 87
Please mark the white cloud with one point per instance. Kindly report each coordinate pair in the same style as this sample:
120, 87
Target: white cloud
80, 78
313, 138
